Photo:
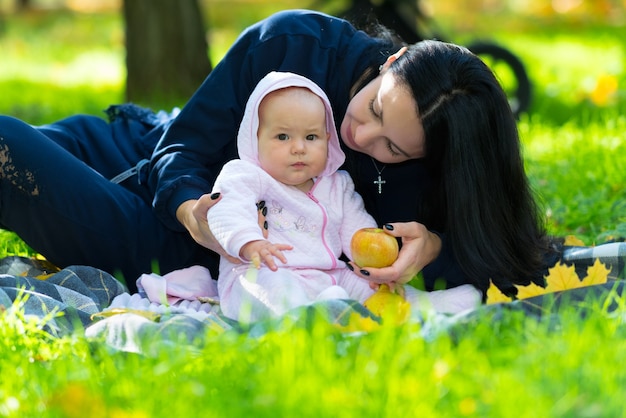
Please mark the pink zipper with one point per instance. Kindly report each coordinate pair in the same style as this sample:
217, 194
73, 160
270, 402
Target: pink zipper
324, 224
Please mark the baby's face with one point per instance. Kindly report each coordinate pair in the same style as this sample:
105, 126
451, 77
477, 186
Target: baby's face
293, 141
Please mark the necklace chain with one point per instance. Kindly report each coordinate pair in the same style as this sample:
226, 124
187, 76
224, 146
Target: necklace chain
379, 182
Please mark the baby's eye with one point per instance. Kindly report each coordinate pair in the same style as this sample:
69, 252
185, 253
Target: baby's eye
282, 137
311, 137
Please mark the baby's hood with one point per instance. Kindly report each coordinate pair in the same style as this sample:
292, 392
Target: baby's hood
247, 140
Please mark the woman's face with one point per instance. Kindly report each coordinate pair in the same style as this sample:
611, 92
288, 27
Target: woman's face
382, 121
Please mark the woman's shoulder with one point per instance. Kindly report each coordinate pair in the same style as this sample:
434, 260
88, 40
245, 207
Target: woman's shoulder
303, 22
304, 17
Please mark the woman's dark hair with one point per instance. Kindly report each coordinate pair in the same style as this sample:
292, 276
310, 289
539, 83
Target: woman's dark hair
474, 154
388, 43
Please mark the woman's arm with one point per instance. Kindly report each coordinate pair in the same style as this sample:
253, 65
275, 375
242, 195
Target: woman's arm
202, 139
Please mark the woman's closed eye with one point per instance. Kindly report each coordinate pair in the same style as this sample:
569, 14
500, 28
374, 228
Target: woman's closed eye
372, 111
392, 150
390, 146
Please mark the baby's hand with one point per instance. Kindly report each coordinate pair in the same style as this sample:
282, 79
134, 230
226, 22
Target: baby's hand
264, 251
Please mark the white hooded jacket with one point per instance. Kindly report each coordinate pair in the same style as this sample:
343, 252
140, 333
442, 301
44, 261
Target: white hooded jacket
318, 224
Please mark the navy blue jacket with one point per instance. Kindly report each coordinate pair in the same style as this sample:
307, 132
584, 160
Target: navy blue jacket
327, 50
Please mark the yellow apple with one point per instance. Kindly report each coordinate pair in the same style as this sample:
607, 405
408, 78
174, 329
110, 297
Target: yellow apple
372, 247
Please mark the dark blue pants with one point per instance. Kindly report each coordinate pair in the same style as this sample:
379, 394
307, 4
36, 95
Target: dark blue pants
56, 194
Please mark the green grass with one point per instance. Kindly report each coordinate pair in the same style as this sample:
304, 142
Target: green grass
578, 172
58, 64
498, 364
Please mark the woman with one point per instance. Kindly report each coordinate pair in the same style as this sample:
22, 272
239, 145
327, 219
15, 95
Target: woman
430, 142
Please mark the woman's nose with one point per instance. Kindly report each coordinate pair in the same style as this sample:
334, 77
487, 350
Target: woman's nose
364, 135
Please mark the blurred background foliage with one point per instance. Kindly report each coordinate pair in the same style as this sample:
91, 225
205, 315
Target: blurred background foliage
573, 49
61, 57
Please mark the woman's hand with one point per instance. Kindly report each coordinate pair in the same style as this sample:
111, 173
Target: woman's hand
420, 247
192, 214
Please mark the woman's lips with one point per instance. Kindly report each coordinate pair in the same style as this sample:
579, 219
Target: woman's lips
348, 139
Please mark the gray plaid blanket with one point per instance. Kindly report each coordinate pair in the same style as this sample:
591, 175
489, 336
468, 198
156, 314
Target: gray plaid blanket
66, 298
612, 254
81, 299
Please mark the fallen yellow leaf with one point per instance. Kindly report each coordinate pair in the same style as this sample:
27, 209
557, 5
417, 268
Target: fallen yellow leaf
494, 295
605, 90
596, 274
525, 292
571, 240
358, 323
562, 277
76, 400
44, 276
152, 316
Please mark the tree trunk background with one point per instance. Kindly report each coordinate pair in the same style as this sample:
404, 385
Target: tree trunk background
166, 50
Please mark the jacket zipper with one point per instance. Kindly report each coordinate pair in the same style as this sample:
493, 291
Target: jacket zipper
324, 224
